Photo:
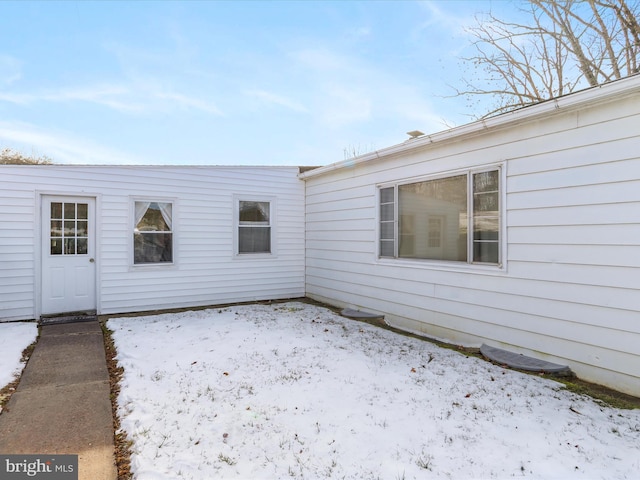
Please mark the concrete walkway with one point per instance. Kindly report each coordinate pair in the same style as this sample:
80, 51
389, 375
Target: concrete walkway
62, 405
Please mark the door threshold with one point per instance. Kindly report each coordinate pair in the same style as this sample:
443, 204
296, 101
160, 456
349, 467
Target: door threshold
70, 317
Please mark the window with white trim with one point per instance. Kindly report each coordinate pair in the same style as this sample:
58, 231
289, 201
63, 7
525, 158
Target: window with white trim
454, 218
152, 233
254, 227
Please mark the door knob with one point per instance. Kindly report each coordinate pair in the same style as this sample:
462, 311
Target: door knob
91, 260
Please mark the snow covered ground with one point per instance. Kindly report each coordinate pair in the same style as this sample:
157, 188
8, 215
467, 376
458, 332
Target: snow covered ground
14, 338
294, 391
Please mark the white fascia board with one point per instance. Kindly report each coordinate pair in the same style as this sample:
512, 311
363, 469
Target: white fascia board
582, 98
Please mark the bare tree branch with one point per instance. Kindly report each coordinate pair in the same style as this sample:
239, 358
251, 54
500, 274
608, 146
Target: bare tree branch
562, 46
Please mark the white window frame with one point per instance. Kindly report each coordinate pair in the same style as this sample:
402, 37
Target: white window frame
237, 198
174, 233
448, 264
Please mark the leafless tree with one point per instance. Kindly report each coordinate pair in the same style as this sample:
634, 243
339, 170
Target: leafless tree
352, 151
563, 46
12, 157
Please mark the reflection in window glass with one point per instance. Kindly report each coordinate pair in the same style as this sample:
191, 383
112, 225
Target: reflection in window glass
486, 218
152, 234
56, 246
455, 218
254, 227
387, 222
56, 210
442, 199
82, 211
70, 210
69, 228
82, 246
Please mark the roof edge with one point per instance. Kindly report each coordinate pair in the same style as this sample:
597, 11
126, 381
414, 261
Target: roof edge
592, 95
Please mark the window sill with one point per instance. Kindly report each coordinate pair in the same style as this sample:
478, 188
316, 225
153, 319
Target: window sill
447, 266
254, 256
152, 266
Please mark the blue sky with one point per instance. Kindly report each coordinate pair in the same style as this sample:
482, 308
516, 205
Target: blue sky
228, 83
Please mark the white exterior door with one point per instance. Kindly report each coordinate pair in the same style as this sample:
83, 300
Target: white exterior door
68, 254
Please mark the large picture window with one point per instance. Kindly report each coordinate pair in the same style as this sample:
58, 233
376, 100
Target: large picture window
455, 218
254, 227
152, 233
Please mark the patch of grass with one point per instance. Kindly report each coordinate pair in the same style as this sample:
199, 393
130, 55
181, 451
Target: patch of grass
226, 459
424, 461
607, 396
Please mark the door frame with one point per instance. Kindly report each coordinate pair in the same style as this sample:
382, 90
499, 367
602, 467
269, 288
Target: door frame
38, 239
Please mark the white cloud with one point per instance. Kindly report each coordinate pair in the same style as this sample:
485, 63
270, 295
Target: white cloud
132, 98
185, 101
345, 104
321, 59
348, 91
445, 20
112, 96
18, 98
61, 147
153, 73
359, 33
116, 97
274, 99
10, 70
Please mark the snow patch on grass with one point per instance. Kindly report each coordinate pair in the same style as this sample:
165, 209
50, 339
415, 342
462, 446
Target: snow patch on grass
14, 338
294, 390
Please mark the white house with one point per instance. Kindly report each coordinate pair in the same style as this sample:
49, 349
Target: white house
115, 239
521, 231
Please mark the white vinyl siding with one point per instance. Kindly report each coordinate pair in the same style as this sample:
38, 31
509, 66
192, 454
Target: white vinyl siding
17, 250
204, 271
568, 288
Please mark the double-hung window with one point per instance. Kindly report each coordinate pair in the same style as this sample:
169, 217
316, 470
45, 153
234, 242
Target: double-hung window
153, 232
454, 218
254, 226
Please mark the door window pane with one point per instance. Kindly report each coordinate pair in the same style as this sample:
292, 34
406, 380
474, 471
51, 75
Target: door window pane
82, 246
66, 228
56, 228
56, 210
56, 246
70, 210
69, 228
82, 211
69, 246
81, 228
